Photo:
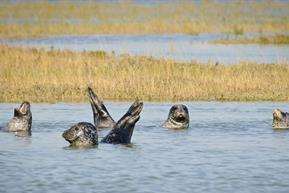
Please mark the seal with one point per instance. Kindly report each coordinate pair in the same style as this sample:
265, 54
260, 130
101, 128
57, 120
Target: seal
280, 119
101, 116
82, 134
22, 119
123, 129
178, 117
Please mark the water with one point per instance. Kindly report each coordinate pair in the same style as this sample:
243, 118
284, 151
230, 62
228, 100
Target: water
184, 48
229, 147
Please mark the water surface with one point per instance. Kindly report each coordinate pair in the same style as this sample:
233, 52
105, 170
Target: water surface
229, 147
184, 48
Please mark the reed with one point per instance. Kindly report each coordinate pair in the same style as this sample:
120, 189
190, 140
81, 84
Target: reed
44, 18
39, 75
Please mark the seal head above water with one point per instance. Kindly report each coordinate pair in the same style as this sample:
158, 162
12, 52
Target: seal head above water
101, 116
178, 117
22, 119
123, 129
82, 134
280, 119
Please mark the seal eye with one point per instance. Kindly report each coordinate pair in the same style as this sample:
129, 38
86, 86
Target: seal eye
185, 109
173, 109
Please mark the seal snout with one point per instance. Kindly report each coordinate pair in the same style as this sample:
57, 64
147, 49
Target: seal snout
178, 117
69, 135
277, 114
181, 116
180, 112
24, 108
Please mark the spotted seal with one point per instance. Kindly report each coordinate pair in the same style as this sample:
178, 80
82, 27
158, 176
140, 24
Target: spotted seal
123, 129
101, 116
85, 134
81, 135
178, 117
22, 119
280, 119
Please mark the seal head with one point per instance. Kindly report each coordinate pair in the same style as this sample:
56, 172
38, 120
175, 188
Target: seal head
22, 119
101, 116
123, 129
82, 134
280, 119
178, 117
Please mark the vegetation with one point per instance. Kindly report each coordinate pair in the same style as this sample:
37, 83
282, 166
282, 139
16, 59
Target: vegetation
275, 39
44, 18
37, 75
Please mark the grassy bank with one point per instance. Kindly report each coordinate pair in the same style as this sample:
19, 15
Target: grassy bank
53, 76
274, 39
42, 18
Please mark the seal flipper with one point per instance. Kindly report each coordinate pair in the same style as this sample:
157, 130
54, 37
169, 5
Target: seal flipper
101, 116
123, 130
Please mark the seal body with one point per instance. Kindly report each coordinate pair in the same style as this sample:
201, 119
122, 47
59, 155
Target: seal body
101, 116
178, 117
280, 119
22, 119
82, 134
123, 129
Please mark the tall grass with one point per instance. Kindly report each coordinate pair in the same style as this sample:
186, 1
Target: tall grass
51, 76
43, 18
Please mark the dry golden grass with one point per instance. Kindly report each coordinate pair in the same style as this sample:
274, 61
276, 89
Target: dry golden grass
42, 18
53, 76
274, 39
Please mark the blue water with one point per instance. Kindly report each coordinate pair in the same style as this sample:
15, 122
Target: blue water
184, 48
229, 147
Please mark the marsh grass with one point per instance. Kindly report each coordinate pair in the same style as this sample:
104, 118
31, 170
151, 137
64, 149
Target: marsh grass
43, 18
274, 39
37, 75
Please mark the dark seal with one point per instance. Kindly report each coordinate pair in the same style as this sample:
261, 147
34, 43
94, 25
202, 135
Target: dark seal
101, 116
123, 129
280, 119
82, 134
178, 117
22, 119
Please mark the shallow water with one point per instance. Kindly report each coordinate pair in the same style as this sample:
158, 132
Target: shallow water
229, 147
178, 47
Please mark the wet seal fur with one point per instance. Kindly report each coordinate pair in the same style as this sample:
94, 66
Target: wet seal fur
85, 134
22, 119
81, 135
123, 129
178, 117
101, 116
280, 119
